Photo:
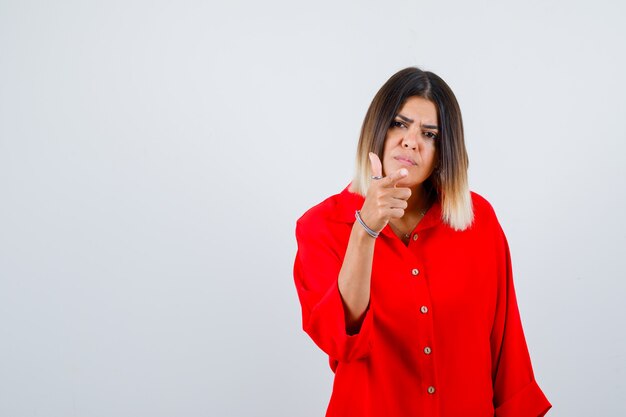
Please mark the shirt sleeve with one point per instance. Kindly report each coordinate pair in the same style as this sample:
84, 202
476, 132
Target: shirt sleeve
316, 270
516, 393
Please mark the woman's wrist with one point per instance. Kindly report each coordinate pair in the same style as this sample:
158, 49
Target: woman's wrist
368, 230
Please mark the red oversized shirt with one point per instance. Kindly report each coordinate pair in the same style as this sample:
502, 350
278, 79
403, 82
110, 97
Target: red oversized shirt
442, 336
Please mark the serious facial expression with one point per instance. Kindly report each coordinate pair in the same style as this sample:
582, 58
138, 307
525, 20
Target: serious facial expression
411, 141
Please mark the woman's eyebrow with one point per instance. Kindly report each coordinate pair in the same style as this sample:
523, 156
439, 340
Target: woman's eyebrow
406, 119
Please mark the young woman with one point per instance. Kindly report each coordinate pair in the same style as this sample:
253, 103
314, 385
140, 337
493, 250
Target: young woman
405, 277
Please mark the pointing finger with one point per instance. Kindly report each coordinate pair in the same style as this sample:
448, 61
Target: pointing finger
393, 179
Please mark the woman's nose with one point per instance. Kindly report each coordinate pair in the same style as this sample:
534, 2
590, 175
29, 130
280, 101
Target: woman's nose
410, 140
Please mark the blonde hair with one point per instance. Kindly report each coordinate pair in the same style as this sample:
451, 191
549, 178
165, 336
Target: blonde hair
449, 180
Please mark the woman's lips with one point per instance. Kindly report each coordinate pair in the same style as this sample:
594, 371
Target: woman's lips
405, 161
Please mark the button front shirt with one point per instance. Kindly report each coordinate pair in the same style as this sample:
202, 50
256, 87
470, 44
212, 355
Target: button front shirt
442, 336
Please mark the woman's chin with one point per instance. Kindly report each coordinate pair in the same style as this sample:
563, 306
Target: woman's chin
409, 183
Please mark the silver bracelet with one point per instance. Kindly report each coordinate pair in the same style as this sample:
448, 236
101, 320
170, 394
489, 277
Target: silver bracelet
369, 231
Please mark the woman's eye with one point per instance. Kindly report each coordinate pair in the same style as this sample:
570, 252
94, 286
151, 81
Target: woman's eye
396, 123
431, 135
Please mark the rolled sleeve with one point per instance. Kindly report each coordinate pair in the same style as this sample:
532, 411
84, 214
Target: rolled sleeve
327, 327
316, 271
516, 393
530, 401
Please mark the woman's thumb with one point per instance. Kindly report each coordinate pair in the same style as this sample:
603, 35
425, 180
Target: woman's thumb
376, 166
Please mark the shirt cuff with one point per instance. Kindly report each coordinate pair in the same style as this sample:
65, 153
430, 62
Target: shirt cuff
330, 314
529, 402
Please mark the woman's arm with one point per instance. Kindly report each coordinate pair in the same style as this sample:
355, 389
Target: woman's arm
383, 202
355, 277
336, 318
516, 393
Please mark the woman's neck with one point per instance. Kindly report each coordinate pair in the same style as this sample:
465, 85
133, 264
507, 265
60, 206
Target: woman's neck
419, 201
417, 205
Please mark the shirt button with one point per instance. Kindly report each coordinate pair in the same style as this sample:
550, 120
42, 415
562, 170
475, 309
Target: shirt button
427, 350
415, 236
424, 309
431, 390
415, 271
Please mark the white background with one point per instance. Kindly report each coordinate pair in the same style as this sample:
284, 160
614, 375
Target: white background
154, 157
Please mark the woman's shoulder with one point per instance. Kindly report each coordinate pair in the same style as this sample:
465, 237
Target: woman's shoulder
483, 210
480, 203
321, 210
338, 207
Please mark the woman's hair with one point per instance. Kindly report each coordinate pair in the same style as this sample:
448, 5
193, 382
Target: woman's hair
449, 179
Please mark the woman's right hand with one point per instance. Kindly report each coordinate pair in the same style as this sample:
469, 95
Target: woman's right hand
384, 201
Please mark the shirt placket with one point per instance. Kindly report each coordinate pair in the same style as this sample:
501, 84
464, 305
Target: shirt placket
426, 346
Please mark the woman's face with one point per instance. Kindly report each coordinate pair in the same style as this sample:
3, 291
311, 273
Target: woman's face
411, 142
